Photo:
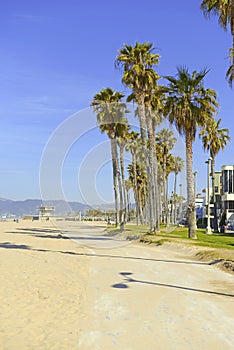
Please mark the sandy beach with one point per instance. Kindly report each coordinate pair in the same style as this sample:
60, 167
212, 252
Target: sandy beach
94, 292
42, 286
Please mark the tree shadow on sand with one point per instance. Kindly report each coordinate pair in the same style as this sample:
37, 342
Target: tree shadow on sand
128, 280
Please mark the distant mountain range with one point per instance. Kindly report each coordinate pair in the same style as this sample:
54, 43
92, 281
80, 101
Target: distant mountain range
30, 207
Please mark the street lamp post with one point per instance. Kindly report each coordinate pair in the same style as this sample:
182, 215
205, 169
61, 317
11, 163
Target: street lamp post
208, 228
195, 189
180, 208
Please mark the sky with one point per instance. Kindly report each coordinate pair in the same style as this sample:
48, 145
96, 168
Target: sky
56, 55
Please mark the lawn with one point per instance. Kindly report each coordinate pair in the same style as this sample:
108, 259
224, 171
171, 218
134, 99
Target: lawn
221, 243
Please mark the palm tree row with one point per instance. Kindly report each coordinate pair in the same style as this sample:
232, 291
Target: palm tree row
184, 101
111, 119
166, 141
138, 178
137, 64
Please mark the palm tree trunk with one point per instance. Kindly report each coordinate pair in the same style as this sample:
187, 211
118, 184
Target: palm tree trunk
146, 206
140, 206
160, 200
174, 204
120, 187
168, 216
153, 169
156, 181
164, 189
115, 181
143, 126
135, 189
121, 152
157, 196
128, 205
190, 188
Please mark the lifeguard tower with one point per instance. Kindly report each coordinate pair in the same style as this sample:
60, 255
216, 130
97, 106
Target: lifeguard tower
46, 211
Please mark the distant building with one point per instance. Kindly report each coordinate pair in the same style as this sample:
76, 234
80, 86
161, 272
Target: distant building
199, 202
227, 189
224, 194
46, 210
218, 193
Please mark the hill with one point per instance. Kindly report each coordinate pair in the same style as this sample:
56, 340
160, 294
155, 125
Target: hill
30, 207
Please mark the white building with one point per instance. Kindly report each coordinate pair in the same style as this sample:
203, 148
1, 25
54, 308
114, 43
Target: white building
224, 195
46, 210
227, 189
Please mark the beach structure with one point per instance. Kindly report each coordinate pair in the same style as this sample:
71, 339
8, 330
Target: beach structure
46, 210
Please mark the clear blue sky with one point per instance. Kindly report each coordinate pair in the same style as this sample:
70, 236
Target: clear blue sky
55, 55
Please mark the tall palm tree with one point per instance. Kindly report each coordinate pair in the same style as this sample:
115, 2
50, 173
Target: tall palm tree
188, 106
163, 173
134, 146
166, 141
224, 9
122, 141
110, 112
153, 109
128, 187
177, 168
141, 185
214, 139
153, 116
137, 63
170, 161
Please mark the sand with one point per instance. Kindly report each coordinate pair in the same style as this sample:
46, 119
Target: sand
42, 287
92, 292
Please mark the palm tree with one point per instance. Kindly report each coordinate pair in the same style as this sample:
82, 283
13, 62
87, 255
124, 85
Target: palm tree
122, 141
153, 116
133, 145
214, 139
170, 161
224, 9
188, 106
110, 112
177, 168
165, 140
141, 185
153, 109
163, 179
137, 63
128, 186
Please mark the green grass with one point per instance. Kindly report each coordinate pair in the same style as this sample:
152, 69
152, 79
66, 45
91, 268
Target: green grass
178, 234
215, 247
216, 240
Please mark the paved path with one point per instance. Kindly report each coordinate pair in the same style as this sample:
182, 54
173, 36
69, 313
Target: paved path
140, 297
89, 235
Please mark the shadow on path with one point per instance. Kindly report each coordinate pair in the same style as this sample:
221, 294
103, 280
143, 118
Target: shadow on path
9, 245
129, 280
